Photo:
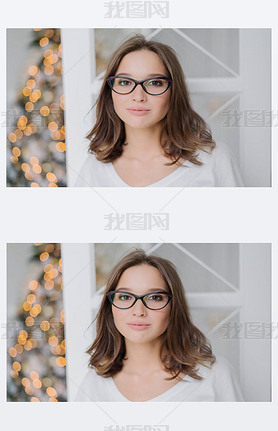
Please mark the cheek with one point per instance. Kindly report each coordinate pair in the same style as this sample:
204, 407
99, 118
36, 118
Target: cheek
165, 103
164, 321
114, 314
118, 317
117, 101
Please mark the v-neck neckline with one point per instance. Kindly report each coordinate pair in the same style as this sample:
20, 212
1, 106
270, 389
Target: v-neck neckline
157, 398
171, 175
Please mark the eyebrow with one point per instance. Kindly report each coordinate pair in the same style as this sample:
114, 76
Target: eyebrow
162, 75
155, 289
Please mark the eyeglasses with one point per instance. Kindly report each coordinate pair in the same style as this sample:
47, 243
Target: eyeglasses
153, 86
153, 301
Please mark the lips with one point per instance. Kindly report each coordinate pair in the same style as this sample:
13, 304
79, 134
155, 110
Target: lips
138, 111
139, 326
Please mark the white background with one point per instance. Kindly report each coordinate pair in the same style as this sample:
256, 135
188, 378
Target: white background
196, 215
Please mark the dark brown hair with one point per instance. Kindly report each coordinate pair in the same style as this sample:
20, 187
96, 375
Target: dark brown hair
183, 346
183, 131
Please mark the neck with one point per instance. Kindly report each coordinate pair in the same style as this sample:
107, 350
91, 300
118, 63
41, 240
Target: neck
142, 358
142, 144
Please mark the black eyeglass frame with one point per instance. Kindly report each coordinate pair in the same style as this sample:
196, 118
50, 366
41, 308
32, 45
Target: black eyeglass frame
136, 297
109, 80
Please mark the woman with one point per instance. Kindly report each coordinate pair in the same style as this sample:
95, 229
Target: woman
146, 132
146, 347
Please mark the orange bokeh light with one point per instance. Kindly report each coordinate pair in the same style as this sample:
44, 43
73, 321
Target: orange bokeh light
37, 383
28, 345
25, 381
25, 167
12, 137
48, 70
37, 169
51, 391
44, 41
45, 325
31, 298
53, 126
31, 83
16, 151
34, 375
33, 285
16, 366
44, 256
18, 133
61, 147
53, 341
33, 70
29, 106
44, 111
12, 352
61, 361
26, 91
51, 177
29, 321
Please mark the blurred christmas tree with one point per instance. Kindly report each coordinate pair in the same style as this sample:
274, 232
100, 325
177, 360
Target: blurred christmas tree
36, 365
36, 135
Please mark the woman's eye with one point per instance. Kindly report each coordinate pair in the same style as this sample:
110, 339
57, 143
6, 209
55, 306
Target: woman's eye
154, 83
154, 298
124, 297
124, 82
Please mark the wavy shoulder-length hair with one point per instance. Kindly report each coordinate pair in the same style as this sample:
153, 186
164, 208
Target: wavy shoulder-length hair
183, 131
184, 347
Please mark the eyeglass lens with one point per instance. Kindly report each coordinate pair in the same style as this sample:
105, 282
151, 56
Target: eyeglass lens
153, 86
152, 300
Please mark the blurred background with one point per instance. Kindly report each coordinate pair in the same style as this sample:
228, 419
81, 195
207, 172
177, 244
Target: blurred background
52, 307
35, 326
35, 109
54, 77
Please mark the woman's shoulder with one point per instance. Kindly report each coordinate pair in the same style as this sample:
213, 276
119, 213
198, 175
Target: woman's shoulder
220, 151
92, 173
91, 376
220, 365
221, 163
91, 385
91, 161
223, 378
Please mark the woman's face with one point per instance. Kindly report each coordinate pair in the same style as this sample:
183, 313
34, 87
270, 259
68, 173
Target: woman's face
139, 324
141, 65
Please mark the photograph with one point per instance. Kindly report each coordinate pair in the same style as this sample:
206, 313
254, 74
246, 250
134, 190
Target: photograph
131, 322
138, 278
149, 107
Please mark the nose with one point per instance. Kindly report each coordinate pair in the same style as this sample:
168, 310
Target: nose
139, 308
138, 94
